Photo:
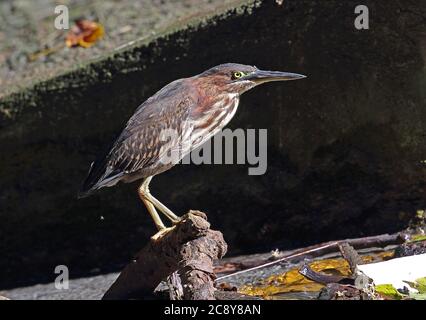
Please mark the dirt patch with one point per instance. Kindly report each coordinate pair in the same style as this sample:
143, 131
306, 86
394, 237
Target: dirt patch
27, 27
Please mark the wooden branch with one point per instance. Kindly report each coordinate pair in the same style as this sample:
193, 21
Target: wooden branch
351, 256
174, 284
189, 249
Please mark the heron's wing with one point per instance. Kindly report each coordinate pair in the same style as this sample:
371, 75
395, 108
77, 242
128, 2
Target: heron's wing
150, 132
146, 139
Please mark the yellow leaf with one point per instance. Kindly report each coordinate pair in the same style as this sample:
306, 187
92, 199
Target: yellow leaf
388, 291
293, 281
84, 34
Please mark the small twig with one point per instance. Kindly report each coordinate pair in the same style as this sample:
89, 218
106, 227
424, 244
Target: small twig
320, 277
351, 256
46, 52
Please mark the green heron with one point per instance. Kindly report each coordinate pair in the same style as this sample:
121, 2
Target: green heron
194, 109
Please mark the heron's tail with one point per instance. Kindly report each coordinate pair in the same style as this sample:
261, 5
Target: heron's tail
99, 176
95, 174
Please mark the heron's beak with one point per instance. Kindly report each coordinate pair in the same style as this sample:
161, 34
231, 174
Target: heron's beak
261, 76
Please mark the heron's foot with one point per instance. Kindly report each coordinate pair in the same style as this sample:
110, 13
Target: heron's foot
176, 220
161, 233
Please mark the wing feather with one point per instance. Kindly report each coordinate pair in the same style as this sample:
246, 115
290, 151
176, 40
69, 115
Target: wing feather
140, 145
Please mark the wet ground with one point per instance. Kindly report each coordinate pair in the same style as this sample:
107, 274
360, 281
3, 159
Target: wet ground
27, 27
263, 282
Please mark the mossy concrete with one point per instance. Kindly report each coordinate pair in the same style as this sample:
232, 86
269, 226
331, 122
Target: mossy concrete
345, 146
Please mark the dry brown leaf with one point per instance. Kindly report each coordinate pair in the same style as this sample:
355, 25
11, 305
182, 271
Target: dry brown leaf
84, 34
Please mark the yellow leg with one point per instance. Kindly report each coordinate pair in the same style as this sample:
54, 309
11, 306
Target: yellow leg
161, 233
151, 209
144, 189
143, 192
154, 214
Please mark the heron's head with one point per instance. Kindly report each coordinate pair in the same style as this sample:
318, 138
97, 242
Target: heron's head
238, 78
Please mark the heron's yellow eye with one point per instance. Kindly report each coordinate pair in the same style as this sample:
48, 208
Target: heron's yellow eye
237, 75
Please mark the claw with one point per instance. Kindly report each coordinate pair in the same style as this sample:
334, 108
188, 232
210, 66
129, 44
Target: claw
160, 234
177, 221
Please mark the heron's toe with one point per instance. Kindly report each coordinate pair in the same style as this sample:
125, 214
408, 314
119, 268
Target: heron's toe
177, 220
161, 233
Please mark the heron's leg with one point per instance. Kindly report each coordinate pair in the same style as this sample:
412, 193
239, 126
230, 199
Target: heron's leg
154, 215
151, 209
162, 230
166, 211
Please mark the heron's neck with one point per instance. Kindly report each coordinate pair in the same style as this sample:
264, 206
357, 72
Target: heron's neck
217, 113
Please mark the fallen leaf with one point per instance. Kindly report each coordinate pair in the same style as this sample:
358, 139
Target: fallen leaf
417, 238
388, 291
293, 281
84, 34
420, 285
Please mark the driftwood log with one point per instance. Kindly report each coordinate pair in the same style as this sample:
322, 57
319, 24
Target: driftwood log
184, 257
